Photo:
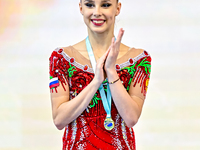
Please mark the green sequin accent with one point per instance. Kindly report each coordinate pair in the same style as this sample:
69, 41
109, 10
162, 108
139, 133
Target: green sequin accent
71, 70
131, 70
94, 101
146, 65
105, 81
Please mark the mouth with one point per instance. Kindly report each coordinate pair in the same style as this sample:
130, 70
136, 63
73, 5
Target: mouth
98, 22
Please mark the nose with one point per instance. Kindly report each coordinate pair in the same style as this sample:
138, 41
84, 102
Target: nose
97, 12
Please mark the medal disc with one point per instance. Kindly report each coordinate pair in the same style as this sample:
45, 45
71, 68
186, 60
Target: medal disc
109, 124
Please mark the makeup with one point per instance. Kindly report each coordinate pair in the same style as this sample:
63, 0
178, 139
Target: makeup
98, 22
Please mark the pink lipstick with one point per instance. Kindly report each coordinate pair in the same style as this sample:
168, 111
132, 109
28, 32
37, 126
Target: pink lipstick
98, 22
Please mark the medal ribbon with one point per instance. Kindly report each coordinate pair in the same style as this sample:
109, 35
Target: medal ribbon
106, 101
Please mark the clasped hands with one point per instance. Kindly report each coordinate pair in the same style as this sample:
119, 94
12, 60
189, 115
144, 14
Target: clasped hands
106, 64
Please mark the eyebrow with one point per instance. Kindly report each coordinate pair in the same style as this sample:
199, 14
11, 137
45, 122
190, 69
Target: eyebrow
93, 1
89, 0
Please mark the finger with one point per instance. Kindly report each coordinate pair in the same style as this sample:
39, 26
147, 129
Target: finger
120, 34
112, 43
103, 58
107, 52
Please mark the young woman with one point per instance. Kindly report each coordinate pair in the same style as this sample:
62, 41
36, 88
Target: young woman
98, 102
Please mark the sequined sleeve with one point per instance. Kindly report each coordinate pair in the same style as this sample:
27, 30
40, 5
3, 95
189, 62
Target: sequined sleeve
136, 71
142, 72
58, 70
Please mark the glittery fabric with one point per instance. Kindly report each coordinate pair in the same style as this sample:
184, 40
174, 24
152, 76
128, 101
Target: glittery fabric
87, 131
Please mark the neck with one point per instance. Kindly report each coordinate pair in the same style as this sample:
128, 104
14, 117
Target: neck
100, 42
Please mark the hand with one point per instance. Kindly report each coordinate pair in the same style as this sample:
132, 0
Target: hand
113, 52
100, 73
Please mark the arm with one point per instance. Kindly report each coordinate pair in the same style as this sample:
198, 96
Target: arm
65, 110
129, 104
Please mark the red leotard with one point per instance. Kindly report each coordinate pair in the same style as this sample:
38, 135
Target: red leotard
87, 131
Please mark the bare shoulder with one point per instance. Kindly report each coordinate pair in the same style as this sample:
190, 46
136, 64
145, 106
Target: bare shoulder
124, 47
79, 47
136, 51
131, 50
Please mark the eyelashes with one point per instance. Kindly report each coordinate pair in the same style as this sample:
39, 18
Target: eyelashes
89, 5
105, 5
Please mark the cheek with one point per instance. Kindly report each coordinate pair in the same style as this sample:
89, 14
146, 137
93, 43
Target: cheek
87, 14
111, 15
86, 18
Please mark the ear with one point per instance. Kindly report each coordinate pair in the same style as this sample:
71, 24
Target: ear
80, 7
119, 5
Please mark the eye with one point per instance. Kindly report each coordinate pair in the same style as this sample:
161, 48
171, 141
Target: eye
106, 5
89, 5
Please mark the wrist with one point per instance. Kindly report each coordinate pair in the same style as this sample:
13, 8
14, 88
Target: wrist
96, 81
110, 70
112, 82
112, 75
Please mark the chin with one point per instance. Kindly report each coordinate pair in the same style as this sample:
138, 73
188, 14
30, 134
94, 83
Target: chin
99, 30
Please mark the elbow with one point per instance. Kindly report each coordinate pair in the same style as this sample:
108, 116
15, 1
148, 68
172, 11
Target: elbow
59, 125
131, 123
131, 119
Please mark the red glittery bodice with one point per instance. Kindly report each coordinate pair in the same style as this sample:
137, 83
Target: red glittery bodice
87, 131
